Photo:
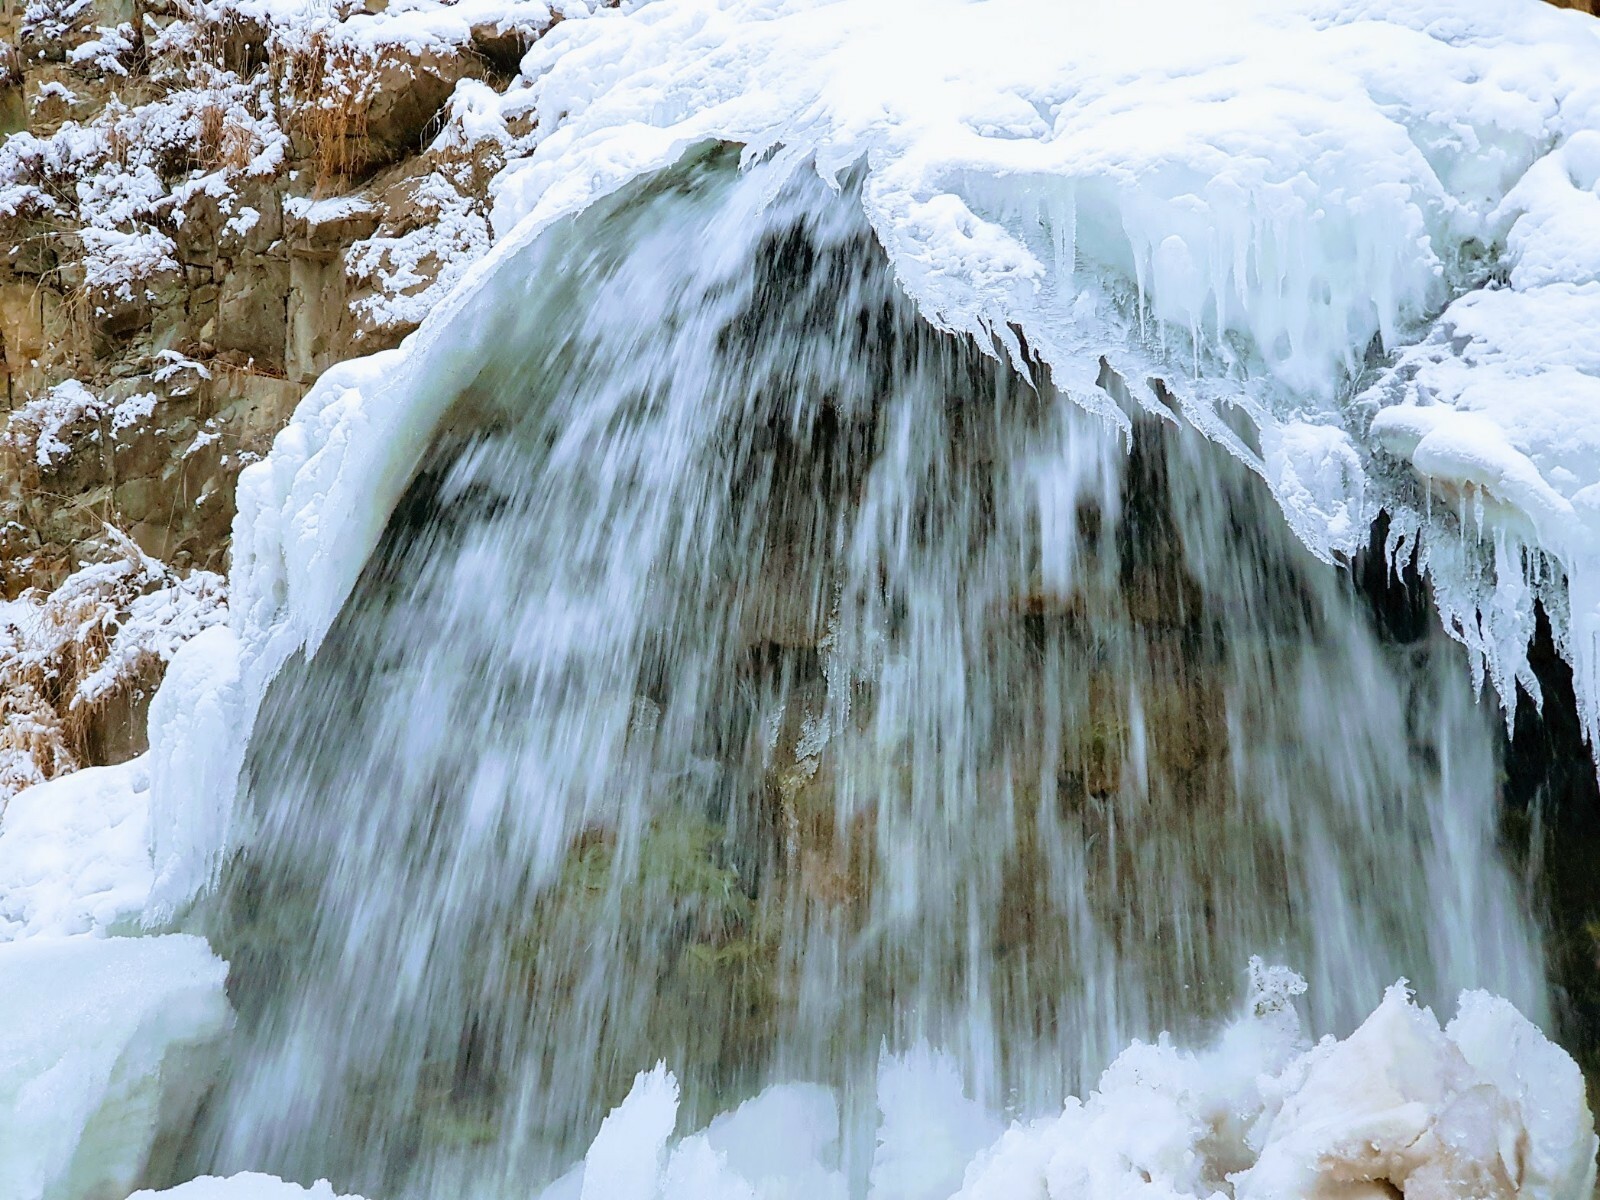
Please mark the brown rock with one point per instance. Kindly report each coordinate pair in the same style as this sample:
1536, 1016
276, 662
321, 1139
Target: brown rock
251, 300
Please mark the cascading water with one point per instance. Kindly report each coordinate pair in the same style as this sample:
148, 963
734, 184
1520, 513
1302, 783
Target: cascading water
754, 677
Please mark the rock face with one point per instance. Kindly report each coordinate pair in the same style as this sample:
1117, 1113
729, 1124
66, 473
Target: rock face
200, 213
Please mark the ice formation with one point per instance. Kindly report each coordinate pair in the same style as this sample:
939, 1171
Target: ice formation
101, 1040
1355, 241
1484, 1108
248, 1186
1244, 204
1247, 225
75, 854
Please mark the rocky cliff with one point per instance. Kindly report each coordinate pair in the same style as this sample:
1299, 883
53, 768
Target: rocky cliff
203, 206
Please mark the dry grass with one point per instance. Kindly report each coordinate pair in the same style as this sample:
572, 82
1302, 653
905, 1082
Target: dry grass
46, 723
327, 85
222, 141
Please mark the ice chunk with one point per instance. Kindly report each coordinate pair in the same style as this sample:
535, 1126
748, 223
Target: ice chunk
929, 1130
625, 1161
1543, 1085
101, 1039
75, 854
1486, 1109
1438, 1114
778, 1143
772, 1147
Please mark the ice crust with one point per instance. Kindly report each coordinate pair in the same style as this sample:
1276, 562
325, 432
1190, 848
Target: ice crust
1484, 1108
247, 1186
100, 1039
75, 854
1245, 201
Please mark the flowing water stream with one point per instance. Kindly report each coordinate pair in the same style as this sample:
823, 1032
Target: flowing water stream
754, 678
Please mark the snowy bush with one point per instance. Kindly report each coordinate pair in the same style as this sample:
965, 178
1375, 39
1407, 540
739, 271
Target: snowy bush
65, 654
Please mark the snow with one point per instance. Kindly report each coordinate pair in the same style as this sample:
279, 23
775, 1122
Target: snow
44, 421
413, 26
111, 618
75, 854
154, 626
133, 411
328, 209
174, 364
1484, 1107
53, 89
125, 265
99, 1037
412, 272
248, 1186
107, 52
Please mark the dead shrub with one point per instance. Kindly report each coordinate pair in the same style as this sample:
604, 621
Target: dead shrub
10, 65
327, 85
222, 141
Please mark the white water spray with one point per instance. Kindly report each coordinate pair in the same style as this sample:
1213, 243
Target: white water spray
754, 678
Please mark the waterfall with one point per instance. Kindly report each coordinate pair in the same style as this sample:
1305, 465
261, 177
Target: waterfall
754, 678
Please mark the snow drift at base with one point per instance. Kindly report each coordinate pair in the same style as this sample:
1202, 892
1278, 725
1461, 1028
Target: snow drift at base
1482, 1109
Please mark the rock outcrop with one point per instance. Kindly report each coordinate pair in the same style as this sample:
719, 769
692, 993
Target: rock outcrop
202, 210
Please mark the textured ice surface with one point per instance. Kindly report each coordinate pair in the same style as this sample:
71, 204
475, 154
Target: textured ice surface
1483, 1108
100, 1038
75, 853
1248, 201
248, 1186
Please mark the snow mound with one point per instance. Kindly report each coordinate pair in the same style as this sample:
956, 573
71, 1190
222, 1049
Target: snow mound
248, 1186
1484, 1108
75, 854
101, 1040
1481, 1108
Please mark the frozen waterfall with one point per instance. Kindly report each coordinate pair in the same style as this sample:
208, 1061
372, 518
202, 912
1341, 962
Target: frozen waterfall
837, 636
757, 679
